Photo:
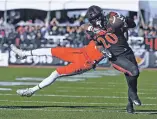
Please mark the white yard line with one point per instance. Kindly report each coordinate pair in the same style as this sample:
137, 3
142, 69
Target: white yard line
69, 110
78, 96
76, 91
76, 103
68, 96
4, 83
75, 110
80, 80
100, 88
116, 83
61, 87
5, 89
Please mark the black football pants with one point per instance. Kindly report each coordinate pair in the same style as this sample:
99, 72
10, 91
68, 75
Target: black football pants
126, 63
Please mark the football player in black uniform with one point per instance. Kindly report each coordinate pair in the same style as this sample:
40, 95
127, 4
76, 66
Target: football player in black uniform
115, 41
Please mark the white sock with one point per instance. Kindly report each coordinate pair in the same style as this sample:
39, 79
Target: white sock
47, 81
38, 52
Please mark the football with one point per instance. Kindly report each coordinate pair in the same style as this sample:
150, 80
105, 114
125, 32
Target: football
116, 22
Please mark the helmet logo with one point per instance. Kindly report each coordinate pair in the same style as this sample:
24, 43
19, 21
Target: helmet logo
98, 23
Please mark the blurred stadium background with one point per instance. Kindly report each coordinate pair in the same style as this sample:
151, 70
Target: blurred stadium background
101, 94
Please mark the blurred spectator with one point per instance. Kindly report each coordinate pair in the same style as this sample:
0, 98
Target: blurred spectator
136, 20
141, 31
54, 22
37, 33
31, 36
1, 20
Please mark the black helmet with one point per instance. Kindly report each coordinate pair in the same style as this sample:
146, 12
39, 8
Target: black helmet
95, 16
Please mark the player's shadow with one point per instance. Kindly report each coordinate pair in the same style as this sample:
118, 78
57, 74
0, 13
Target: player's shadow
146, 111
71, 107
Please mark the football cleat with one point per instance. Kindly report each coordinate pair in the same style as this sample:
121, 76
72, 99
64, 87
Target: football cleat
130, 108
25, 92
17, 51
136, 100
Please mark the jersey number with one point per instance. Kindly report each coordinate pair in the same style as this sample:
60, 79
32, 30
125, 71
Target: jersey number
111, 38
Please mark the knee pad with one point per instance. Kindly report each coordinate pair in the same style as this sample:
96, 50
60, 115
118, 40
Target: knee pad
135, 71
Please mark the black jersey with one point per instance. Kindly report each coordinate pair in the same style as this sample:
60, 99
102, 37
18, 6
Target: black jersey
116, 38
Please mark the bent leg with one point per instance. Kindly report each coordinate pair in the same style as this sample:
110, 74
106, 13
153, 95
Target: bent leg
131, 72
124, 65
131, 57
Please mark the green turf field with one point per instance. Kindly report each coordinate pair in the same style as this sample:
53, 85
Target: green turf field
94, 98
